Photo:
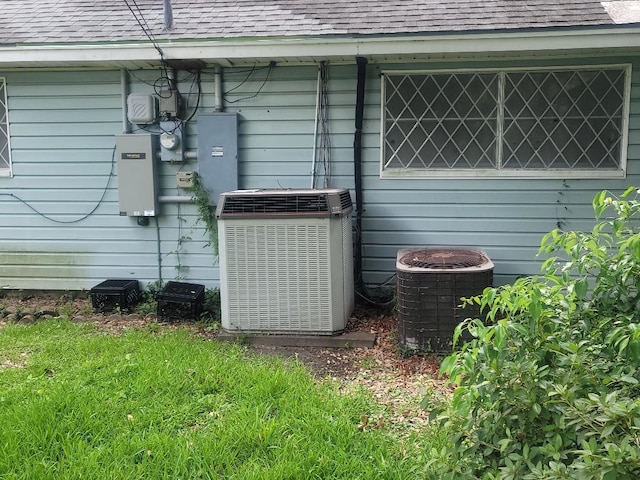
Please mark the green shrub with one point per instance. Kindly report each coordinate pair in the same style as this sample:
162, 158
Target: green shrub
549, 386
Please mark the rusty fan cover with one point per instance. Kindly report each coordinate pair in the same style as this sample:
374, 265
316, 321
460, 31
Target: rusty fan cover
444, 258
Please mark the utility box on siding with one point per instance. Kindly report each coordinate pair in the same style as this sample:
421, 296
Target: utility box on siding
137, 178
218, 153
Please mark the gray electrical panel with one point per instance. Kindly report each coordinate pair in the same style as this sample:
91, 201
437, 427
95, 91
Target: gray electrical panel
137, 179
218, 153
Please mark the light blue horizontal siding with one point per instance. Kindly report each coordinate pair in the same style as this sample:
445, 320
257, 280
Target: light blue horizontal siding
62, 133
62, 128
505, 217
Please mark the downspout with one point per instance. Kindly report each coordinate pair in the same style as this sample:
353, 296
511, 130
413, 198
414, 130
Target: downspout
357, 170
124, 89
218, 99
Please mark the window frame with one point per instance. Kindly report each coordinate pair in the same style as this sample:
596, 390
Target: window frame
8, 170
552, 173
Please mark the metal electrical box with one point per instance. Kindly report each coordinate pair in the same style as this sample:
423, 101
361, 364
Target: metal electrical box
142, 108
218, 153
172, 141
137, 177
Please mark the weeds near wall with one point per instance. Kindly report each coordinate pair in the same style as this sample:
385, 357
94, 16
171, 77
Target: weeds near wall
148, 303
180, 268
549, 387
206, 214
206, 217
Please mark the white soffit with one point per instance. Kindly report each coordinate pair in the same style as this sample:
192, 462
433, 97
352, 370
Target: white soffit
623, 11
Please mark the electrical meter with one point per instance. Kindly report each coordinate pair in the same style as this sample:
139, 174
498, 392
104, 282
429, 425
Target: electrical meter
170, 141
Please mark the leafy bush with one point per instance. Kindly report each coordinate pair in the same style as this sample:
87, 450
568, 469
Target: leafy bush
549, 386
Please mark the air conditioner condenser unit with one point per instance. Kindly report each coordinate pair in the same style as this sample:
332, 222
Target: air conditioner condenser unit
286, 261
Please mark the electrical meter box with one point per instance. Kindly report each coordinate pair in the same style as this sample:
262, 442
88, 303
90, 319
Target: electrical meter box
137, 176
218, 153
171, 142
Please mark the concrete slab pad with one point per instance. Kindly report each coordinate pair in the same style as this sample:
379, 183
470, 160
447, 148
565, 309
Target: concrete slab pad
344, 340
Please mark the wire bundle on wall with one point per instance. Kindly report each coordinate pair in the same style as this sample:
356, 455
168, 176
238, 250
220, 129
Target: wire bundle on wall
264, 82
322, 148
325, 137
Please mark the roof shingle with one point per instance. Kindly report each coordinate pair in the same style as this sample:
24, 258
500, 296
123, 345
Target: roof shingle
63, 21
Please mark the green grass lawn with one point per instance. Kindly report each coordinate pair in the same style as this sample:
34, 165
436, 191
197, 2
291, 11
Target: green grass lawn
76, 402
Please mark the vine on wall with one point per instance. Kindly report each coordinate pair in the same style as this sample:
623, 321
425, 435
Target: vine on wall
206, 214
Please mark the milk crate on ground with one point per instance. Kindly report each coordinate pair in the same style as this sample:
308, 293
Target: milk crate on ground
114, 294
180, 301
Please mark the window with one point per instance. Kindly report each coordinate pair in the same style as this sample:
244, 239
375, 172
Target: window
545, 122
5, 150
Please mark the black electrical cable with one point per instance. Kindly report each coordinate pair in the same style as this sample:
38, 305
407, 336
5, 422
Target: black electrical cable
158, 250
47, 217
195, 109
163, 83
251, 70
271, 65
145, 28
243, 81
249, 73
130, 72
373, 302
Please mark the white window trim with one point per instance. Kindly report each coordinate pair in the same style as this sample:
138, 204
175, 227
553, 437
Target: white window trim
7, 171
421, 173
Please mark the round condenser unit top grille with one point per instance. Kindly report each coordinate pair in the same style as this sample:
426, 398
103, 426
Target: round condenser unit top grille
442, 259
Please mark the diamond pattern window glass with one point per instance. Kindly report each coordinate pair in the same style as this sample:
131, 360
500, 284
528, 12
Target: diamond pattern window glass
563, 119
547, 121
440, 121
5, 159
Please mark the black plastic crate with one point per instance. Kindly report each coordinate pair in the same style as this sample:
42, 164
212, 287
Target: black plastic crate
113, 295
180, 301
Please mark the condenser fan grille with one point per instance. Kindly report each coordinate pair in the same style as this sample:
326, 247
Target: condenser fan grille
276, 204
444, 258
345, 200
285, 203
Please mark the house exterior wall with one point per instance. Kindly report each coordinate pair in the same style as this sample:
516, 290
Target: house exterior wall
505, 217
62, 126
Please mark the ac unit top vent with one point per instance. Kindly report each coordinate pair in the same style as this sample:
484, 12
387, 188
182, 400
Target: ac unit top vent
284, 203
443, 259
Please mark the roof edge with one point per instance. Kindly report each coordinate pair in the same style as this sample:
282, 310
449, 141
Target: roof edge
298, 49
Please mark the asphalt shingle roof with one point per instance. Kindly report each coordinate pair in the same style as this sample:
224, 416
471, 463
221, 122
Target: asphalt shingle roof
71, 21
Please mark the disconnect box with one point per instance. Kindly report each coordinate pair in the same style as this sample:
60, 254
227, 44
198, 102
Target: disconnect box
218, 153
137, 179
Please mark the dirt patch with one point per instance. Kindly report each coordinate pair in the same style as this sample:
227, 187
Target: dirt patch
398, 382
